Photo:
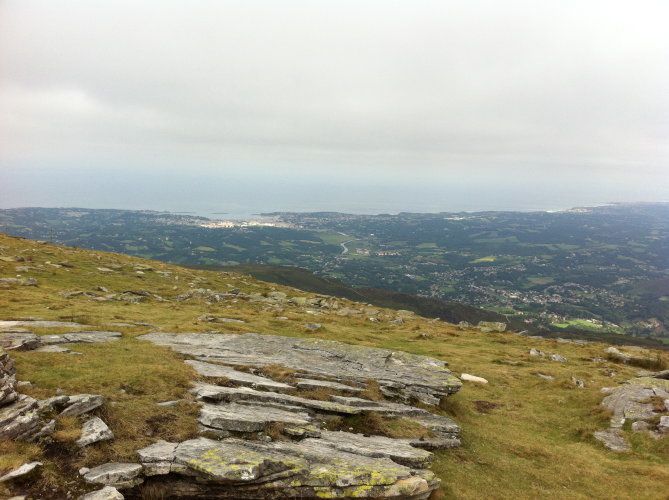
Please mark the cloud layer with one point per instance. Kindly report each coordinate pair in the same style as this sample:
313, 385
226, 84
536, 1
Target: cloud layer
366, 88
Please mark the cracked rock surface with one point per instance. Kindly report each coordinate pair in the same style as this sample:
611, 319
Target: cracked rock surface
400, 374
632, 401
310, 468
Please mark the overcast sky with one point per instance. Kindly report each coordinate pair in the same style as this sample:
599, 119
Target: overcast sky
566, 101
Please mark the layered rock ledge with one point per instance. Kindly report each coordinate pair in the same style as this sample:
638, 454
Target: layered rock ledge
265, 438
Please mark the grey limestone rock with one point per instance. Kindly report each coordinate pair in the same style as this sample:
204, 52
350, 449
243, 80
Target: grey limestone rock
491, 326
234, 468
613, 439
248, 418
408, 375
22, 471
106, 493
400, 451
305, 383
241, 378
94, 430
118, 475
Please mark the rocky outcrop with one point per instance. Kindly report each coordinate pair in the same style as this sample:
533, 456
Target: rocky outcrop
20, 419
26, 341
25, 418
36, 323
632, 355
640, 400
399, 374
491, 326
311, 468
273, 441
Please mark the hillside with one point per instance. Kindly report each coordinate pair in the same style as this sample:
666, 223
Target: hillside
527, 433
304, 279
596, 272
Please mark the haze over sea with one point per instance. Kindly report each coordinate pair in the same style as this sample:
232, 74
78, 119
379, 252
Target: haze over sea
240, 193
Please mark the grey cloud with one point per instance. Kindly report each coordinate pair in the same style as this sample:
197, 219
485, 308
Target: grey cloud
443, 86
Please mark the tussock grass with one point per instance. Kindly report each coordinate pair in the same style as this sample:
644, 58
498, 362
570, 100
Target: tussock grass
537, 442
375, 424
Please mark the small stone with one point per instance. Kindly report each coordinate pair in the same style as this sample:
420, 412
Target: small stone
558, 358
473, 378
94, 430
81, 403
312, 327
536, 353
578, 382
640, 426
168, 404
119, 475
663, 426
52, 348
613, 439
545, 377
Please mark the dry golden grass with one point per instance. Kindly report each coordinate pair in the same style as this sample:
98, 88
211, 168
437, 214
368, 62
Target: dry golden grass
375, 424
277, 372
533, 439
68, 430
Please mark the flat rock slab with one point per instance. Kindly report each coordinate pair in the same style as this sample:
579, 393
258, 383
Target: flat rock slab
613, 439
234, 468
213, 393
630, 401
72, 406
241, 378
308, 384
92, 337
118, 475
400, 451
52, 348
248, 418
20, 341
7, 325
407, 375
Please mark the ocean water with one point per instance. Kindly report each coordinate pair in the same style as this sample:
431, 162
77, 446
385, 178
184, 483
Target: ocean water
241, 194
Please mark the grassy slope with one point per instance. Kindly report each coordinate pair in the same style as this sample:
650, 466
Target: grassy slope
429, 307
536, 442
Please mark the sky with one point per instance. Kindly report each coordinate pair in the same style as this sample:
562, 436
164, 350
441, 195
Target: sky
361, 106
